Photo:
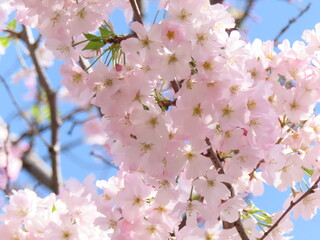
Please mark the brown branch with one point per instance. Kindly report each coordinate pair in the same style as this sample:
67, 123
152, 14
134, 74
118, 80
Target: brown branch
212, 2
218, 166
13, 33
119, 39
283, 30
66, 147
31, 132
78, 122
166, 104
38, 168
292, 205
54, 148
84, 63
136, 11
97, 155
251, 174
246, 13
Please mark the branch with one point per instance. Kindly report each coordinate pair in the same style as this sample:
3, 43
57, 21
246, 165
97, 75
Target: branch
303, 11
136, 11
54, 148
292, 205
246, 13
33, 128
212, 2
40, 129
251, 174
38, 168
218, 166
119, 39
97, 155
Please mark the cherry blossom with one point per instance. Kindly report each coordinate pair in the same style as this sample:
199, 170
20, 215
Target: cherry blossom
195, 118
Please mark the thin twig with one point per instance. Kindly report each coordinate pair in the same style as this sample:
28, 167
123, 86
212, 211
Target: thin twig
251, 174
54, 148
292, 205
77, 122
97, 155
66, 147
283, 30
67, 117
246, 13
136, 11
22, 114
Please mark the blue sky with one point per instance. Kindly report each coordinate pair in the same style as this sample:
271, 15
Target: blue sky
268, 18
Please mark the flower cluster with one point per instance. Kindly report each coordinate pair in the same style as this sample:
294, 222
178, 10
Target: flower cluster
10, 154
195, 118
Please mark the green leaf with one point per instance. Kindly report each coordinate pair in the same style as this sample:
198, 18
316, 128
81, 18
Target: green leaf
53, 208
12, 24
145, 107
259, 214
263, 218
35, 113
45, 112
196, 197
91, 36
5, 41
40, 113
94, 45
105, 33
307, 171
219, 128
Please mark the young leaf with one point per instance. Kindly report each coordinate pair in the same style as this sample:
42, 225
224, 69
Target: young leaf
91, 37
105, 33
263, 218
4, 41
12, 24
145, 107
53, 209
93, 45
307, 171
35, 113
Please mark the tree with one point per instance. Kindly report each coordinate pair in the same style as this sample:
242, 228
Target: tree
195, 118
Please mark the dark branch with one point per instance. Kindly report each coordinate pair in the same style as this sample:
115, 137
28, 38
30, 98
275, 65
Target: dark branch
38, 168
136, 11
31, 132
246, 13
212, 2
283, 30
119, 39
292, 205
216, 161
54, 148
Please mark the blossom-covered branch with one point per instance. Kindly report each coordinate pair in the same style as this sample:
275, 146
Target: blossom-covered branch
311, 190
